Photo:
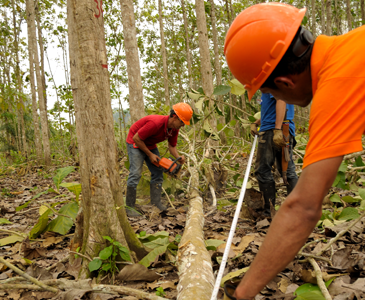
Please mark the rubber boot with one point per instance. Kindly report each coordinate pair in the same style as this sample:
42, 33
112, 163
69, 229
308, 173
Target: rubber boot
292, 182
155, 192
131, 201
269, 192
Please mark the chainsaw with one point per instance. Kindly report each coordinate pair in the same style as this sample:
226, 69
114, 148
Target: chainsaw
169, 166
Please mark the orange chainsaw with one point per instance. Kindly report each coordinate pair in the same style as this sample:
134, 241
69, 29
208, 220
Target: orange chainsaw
169, 166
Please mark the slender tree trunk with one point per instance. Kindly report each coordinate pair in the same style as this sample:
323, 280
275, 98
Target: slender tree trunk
233, 15
187, 41
19, 84
329, 17
101, 189
338, 18
163, 54
37, 135
228, 13
362, 12
42, 109
323, 20
314, 17
349, 17
132, 58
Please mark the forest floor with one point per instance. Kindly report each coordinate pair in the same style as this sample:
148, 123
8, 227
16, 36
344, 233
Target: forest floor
46, 257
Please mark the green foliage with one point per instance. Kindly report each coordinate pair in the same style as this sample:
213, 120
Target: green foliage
63, 224
213, 244
160, 292
107, 260
310, 291
60, 175
73, 187
4, 221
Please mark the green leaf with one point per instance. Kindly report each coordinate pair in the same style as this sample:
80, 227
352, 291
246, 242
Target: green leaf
106, 267
194, 96
252, 119
63, 224
4, 221
343, 167
73, 187
349, 213
233, 275
221, 90
237, 87
213, 244
19, 208
124, 253
41, 225
313, 295
106, 252
142, 234
11, 240
349, 199
228, 132
362, 193
307, 291
335, 198
95, 264
61, 174
150, 257
232, 123
108, 238
199, 104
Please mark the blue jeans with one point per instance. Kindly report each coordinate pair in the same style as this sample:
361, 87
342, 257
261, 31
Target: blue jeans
136, 159
267, 154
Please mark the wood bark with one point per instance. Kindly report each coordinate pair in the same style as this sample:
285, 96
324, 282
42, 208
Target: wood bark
314, 17
163, 55
338, 18
362, 5
101, 188
187, 42
323, 19
42, 109
19, 83
349, 17
136, 104
196, 279
37, 135
329, 17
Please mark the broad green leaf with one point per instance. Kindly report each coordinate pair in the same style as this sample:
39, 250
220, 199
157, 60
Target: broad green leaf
4, 221
233, 123
349, 199
19, 208
327, 223
219, 127
40, 226
349, 213
335, 198
108, 238
106, 267
124, 253
106, 252
313, 295
239, 182
11, 240
213, 244
63, 224
61, 174
257, 116
362, 193
228, 132
307, 288
199, 104
252, 119
155, 240
194, 96
233, 275
73, 187
157, 243
150, 257
209, 130
95, 264
221, 90
362, 205
42, 209
237, 88
343, 167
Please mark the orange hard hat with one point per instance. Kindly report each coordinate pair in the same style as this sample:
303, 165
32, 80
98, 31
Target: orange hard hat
257, 40
183, 111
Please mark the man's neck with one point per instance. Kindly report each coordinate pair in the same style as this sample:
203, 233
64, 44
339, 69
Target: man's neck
169, 123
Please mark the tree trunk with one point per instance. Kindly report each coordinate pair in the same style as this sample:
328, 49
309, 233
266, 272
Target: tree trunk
314, 17
37, 135
196, 279
206, 69
101, 190
42, 109
362, 12
163, 54
338, 18
136, 104
329, 17
228, 13
323, 20
19, 85
349, 17
187, 41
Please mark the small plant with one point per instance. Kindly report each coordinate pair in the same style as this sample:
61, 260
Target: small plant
160, 292
107, 257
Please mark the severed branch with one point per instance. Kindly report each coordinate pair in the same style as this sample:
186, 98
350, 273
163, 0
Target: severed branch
28, 277
213, 195
168, 198
354, 155
319, 278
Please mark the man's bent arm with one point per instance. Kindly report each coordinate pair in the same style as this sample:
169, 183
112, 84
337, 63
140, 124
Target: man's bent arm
176, 154
280, 113
291, 226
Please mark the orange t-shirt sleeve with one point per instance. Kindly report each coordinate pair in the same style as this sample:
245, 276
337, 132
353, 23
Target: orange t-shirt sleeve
337, 119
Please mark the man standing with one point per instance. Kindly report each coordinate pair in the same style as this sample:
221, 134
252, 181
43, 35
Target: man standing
267, 48
270, 145
141, 145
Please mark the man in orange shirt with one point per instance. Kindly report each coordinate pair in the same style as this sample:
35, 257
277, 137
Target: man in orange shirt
267, 49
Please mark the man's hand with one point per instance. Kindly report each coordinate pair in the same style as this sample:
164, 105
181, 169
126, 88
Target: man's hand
254, 129
229, 292
278, 138
154, 158
182, 160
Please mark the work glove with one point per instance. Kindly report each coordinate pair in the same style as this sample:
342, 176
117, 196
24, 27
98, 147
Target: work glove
254, 129
278, 138
229, 291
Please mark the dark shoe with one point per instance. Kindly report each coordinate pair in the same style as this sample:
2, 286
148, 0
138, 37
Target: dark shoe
292, 182
131, 201
155, 192
269, 192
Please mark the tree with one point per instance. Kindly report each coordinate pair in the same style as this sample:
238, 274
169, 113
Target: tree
187, 41
163, 54
132, 58
101, 189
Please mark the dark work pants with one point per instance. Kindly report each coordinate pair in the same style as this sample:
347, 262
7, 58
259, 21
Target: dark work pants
267, 154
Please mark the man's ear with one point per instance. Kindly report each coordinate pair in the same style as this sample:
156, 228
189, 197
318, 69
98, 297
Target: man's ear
284, 82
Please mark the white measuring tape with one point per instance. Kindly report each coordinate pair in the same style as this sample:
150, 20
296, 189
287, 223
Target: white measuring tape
234, 224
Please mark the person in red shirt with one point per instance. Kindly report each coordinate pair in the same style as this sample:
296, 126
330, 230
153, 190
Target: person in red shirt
266, 48
141, 145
